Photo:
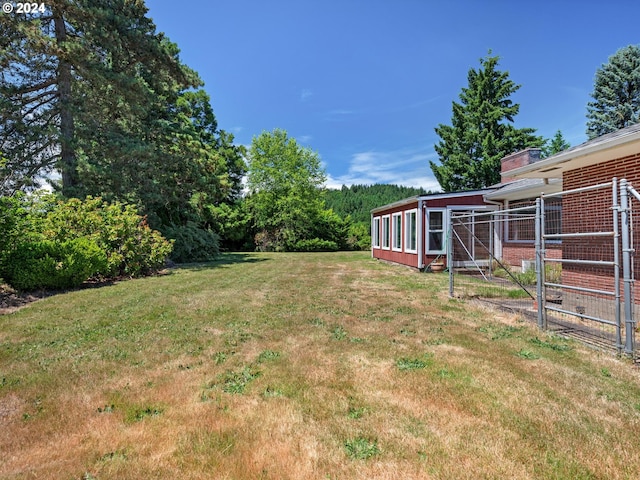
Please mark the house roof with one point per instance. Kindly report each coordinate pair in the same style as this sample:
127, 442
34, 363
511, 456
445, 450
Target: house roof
432, 196
524, 188
618, 144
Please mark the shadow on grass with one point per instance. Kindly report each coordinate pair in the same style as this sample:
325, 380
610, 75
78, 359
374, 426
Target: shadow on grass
225, 259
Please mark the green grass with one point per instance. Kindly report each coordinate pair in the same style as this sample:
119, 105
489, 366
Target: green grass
327, 365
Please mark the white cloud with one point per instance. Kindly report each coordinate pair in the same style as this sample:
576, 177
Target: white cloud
305, 94
409, 168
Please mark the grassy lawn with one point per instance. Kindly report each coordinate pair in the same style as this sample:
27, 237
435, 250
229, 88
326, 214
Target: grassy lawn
292, 366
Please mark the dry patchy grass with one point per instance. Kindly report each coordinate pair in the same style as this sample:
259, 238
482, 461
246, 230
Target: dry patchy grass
296, 366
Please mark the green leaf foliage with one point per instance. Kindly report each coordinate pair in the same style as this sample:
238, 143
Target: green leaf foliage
52, 264
132, 248
481, 131
285, 200
616, 93
192, 243
92, 91
355, 203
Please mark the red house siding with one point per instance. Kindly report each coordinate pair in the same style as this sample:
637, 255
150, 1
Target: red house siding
403, 257
411, 259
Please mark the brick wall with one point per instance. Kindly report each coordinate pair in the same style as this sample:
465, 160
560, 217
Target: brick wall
514, 253
591, 212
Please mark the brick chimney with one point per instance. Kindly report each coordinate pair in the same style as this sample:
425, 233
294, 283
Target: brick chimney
517, 160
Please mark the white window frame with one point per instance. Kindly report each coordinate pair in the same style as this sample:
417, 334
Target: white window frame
396, 231
375, 232
386, 232
445, 219
409, 228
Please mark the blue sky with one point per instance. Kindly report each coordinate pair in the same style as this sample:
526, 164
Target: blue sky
365, 82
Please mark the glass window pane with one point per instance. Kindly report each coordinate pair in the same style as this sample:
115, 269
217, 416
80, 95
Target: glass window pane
435, 240
435, 221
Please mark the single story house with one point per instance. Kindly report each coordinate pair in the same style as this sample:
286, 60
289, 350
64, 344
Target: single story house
414, 231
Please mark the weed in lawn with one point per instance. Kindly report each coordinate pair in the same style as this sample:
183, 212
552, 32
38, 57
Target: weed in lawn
220, 357
339, 333
361, 448
414, 363
267, 355
558, 347
527, 354
107, 409
236, 382
136, 413
317, 322
408, 332
356, 413
498, 332
356, 340
605, 372
271, 392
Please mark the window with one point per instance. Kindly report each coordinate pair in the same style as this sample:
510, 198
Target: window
411, 231
375, 234
386, 232
435, 231
521, 225
396, 223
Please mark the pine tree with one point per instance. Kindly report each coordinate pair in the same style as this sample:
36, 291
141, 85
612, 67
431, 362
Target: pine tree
554, 145
616, 93
481, 133
73, 64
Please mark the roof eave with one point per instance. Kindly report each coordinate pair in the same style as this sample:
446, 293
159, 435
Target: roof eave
591, 153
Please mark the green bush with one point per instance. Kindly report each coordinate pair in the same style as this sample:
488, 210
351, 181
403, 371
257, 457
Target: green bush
13, 217
315, 245
53, 264
359, 236
131, 247
192, 243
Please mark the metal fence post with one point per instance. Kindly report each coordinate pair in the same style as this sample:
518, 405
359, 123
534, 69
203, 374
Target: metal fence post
539, 265
616, 260
626, 266
450, 254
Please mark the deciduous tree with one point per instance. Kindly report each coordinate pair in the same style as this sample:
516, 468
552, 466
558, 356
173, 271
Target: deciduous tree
284, 185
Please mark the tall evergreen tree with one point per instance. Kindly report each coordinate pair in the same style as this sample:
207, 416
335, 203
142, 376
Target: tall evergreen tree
75, 63
481, 133
616, 93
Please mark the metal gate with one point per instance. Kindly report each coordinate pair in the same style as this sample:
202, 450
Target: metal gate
581, 282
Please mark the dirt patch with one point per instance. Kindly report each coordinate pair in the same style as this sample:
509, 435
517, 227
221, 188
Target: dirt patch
11, 300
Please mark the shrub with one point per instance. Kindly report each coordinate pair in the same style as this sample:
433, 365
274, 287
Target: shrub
192, 243
53, 264
131, 247
13, 217
315, 245
359, 237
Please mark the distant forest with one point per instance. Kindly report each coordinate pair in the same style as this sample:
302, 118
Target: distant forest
359, 200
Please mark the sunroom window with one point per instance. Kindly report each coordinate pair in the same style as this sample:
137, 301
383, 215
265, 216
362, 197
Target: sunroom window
436, 231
